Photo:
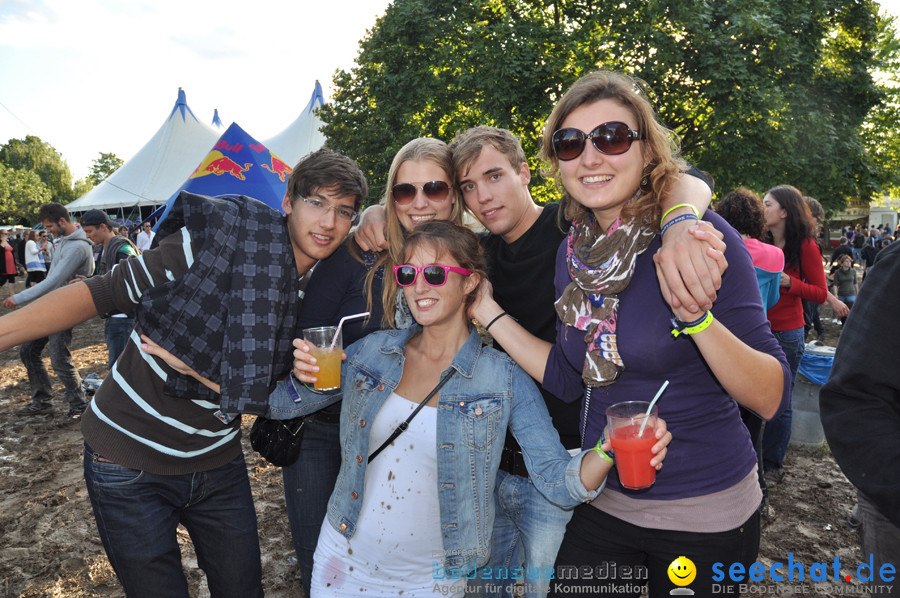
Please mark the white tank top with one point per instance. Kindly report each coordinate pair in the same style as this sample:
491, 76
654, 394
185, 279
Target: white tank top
398, 534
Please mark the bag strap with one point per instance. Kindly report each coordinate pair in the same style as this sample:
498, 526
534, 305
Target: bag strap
404, 425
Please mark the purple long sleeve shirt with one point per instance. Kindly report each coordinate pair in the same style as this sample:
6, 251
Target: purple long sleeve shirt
711, 448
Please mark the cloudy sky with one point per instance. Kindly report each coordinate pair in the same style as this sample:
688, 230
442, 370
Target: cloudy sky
91, 76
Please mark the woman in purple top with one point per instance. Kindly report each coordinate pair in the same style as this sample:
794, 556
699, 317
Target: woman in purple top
618, 340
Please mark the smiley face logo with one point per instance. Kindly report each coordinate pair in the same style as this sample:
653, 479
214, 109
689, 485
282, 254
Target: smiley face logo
682, 571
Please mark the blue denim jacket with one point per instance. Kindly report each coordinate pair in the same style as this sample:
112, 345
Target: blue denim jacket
488, 393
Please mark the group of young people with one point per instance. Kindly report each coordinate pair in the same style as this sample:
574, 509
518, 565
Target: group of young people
597, 299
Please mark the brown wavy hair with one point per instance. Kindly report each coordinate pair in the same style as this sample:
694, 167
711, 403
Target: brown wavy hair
659, 148
454, 240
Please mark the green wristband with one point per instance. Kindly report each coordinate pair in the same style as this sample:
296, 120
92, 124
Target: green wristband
601, 452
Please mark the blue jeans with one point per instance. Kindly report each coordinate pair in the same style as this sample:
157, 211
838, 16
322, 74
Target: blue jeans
117, 331
308, 484
138, 513
777, 433
527, 528
61, 359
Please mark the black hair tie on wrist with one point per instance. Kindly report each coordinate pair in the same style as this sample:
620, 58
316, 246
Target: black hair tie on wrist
491, 323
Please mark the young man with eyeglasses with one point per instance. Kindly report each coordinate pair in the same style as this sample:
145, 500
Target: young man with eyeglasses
221, 292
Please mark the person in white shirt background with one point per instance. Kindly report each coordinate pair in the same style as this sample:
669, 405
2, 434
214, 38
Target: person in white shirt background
145, 237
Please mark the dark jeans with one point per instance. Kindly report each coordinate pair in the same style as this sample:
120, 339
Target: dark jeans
777, 432
878, 537
308, 484
605, 556
61, 359
117, 331
811, 318
138, 513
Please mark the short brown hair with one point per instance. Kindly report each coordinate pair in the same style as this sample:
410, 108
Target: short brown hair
467, 146
54, 212
329, 171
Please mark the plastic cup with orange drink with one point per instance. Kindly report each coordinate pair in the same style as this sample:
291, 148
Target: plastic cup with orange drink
326, 346
632, 445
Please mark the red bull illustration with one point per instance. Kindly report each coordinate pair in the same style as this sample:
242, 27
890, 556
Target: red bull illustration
218, 164
278, 167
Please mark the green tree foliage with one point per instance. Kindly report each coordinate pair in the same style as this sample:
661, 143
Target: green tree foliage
760, 93
21, 194
104, 166
880, 133
40, 157
82, 186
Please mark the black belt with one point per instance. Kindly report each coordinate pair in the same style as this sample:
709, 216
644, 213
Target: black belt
513, 462
326, 417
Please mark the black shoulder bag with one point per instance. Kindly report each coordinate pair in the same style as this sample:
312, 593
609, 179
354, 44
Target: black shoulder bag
278, 441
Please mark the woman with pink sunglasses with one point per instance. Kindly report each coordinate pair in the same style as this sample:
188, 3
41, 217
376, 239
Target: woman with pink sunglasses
413, 514
350, 281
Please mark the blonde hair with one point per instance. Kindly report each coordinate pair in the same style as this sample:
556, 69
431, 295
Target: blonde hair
659, 147
421, 149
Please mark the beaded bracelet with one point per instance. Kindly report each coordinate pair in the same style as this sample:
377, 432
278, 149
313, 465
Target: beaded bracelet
676, 220
698, 325
673, 208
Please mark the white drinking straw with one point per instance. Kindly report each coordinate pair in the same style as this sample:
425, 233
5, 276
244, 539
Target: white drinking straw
341, 323
650, 408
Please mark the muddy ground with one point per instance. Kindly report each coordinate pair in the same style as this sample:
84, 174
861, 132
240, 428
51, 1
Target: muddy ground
49, 545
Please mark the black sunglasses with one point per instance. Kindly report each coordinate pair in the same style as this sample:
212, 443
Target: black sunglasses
612, 139
435, 274
433, 190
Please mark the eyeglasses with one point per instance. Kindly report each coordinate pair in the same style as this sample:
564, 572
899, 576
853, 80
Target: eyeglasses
322, 207
435, 274
433, 190
612, 139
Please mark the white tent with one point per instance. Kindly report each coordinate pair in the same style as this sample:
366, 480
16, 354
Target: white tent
158, 169
302, 136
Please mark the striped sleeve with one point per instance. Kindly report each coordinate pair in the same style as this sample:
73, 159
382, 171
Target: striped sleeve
122, 288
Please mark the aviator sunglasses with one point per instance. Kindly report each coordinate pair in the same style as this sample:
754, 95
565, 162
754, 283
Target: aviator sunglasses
433, 190
435, 274
612, 139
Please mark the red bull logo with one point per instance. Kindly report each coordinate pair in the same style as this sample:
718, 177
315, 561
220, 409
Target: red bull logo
278, 167
218, 164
